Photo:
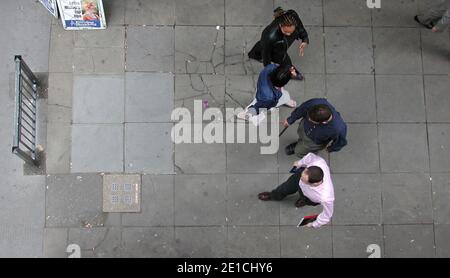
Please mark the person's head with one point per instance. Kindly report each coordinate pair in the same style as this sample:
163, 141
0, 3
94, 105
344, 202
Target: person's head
320, 114
312, 175
286, 21
281, 76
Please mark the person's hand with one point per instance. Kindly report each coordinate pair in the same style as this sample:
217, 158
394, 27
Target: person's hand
302, 48
434, 29
293, 72
309, 225
285, 123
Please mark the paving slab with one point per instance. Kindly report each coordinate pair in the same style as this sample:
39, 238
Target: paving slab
361, 154
201, 242
397, 51
406, 199
436, 92
21, 240
148, 242
157, 206
76, 201
212, 12
200, 158
348, 50
202, 87
148, 148
306, 242
113, 36
315, 86
403, 147
109, 60
253, 242
392, 90
441, 194
92, 92
200, 200
239, 155
240, 90
244, 207
97, 242
58, 149
249, 12
148, 97
158, 12
60, 87
439, 147
313, 61
435, 52
55, 242
353, 96
97, 148
358, 199
409, 241
150, 48
238, 43
61, 50
208, 57
395, 13
309, 11
442, 243
115, 12
352, 241
346, 13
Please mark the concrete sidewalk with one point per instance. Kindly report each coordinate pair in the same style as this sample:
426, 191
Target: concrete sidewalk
111, 94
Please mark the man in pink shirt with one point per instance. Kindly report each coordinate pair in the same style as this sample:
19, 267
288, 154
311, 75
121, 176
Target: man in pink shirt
313, 182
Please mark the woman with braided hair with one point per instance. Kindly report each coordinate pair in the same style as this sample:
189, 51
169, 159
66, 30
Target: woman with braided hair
278, 37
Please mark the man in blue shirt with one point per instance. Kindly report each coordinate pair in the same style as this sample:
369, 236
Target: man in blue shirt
269, 91
321, 126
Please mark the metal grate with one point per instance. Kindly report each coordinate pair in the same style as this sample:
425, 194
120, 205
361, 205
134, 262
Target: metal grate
25, 114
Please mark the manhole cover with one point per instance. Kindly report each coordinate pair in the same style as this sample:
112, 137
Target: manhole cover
121, 193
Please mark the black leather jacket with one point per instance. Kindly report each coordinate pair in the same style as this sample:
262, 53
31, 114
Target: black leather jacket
275, 45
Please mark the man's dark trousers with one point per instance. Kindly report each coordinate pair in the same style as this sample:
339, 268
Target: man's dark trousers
290, 187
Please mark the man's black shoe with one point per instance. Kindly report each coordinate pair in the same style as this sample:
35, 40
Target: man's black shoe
290, 149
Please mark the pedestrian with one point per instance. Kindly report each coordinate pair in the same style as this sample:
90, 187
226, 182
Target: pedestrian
320, 127
437, 18
313, 183
270, 92
277, 37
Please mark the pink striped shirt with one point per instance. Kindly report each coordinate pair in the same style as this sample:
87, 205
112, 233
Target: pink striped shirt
323, 193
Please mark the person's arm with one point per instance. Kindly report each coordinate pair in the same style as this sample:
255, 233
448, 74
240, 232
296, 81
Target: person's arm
266, 49
325, 216
302, 33
338, 143
299, 112
306, 160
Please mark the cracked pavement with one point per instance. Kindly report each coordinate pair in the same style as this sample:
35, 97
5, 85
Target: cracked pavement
110, 98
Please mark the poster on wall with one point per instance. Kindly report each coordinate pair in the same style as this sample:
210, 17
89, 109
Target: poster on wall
82, 14
51, 6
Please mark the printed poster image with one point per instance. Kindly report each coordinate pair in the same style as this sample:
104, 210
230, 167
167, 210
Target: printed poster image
82, 14
51, 6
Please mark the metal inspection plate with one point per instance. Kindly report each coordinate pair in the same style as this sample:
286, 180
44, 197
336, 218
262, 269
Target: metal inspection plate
121, 193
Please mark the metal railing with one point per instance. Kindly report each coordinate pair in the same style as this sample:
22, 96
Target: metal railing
25, 114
